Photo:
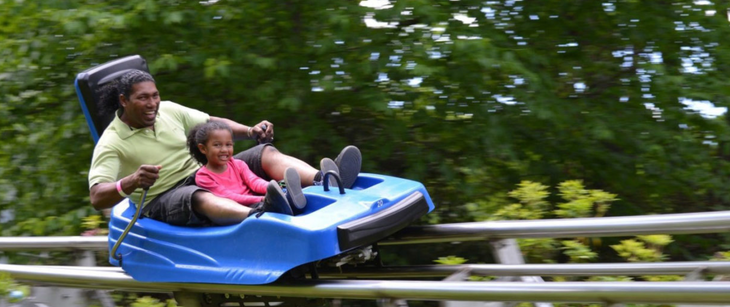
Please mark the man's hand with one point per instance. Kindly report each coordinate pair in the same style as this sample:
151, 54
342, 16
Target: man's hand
261, 135
146, 176
105, 195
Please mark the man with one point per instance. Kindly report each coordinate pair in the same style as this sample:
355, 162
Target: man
144, 147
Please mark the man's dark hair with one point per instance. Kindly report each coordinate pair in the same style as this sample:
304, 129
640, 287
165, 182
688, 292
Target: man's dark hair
109, 93
200, 134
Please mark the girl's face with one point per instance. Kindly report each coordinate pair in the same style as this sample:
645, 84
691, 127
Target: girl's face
218, 149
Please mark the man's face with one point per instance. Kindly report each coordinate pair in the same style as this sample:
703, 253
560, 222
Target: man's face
140, 108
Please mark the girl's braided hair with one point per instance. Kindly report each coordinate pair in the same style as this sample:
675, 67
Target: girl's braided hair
199, 135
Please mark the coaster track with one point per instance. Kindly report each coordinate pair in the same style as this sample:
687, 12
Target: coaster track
678, 223
338, 287
602, 292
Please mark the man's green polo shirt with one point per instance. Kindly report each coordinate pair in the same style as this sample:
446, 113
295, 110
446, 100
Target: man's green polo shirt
122, 149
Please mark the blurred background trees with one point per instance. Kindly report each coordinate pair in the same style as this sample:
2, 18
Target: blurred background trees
469, 97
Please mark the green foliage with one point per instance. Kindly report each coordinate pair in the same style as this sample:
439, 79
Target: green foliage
481, 278
532, 202
649, 249
539, 250
147, 301
94, 223
68, 223
531, 206
577, 251
635, 251
451, 260
610, 278
7, 285
582, 202
656, 241
721, 256
521, 93
578, 202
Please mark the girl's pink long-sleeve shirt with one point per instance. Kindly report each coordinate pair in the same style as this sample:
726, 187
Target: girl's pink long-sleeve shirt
238, 183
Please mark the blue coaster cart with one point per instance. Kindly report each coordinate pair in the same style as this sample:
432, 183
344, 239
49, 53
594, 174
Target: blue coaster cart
261, 250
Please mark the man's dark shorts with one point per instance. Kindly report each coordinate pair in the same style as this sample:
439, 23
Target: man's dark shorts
175, 206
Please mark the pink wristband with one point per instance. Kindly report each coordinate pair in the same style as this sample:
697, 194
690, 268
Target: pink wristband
119, 189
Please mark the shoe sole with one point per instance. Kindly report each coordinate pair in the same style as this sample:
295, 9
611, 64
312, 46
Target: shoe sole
275, 200
326, 165
349, 162
294, 188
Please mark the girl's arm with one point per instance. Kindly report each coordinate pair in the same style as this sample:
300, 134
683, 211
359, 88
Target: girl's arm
255, 183
207, 181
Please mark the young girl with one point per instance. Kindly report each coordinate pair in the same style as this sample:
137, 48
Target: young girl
211, 144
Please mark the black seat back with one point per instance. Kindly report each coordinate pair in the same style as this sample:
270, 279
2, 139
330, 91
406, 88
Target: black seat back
89, 81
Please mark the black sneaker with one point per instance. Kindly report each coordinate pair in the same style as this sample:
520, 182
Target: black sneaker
275, 201
325, 165
294, 193
349, 162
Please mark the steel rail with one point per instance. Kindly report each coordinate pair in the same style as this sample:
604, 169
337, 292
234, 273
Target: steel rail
97, 243
577, 269
440, 271
677, 223
603, 292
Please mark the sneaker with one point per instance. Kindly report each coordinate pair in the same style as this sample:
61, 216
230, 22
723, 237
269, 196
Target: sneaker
326, 165
275, 201
349, 162
294, 193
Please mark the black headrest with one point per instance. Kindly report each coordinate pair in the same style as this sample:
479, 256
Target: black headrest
89, 81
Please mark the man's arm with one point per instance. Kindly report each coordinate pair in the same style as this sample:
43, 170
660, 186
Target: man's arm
243, 132
105, 195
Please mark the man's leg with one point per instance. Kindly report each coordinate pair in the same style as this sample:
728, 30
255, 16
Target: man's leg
267, 162
275, 163
348, 163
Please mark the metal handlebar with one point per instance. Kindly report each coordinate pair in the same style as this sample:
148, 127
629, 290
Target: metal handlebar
118, 257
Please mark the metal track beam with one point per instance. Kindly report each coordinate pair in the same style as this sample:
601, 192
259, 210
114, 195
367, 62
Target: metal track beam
95, 243
572, 269
679, 223
601, 292
441, 271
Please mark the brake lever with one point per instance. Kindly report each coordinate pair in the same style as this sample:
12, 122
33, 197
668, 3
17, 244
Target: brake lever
260, 140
